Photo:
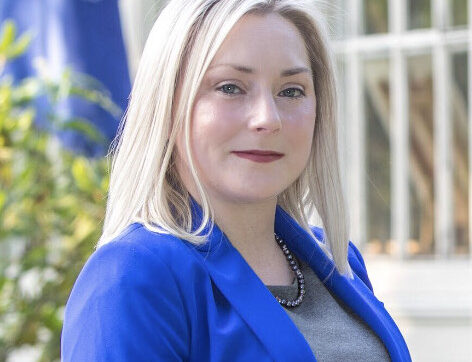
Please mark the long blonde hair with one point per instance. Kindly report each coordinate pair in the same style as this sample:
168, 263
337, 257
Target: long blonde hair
144, 184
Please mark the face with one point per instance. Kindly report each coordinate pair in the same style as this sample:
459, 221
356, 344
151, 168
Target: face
253, 119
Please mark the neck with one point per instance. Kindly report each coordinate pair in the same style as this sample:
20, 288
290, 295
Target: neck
250, 229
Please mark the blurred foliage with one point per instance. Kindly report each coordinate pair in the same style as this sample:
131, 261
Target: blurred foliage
52, 204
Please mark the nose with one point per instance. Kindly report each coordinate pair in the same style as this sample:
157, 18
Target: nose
266, 117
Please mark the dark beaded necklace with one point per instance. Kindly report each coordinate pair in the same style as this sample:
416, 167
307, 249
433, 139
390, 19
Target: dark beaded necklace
296, 269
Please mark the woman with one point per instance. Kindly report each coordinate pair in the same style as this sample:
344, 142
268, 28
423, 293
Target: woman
206, 253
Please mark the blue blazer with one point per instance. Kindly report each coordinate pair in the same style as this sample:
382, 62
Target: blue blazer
153, 297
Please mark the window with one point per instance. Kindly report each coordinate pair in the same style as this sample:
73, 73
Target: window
460, 159
459, 12
405, 143
378, 161
375, 16
419, 14
421, 155
407, 163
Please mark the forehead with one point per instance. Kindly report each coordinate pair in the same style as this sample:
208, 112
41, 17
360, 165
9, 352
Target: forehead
255, 39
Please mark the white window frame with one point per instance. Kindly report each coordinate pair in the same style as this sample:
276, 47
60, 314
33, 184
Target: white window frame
398, 44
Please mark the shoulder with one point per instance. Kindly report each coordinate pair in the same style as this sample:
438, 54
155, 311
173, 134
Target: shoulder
137, 256
133, 256
355, 259
138, 239
127, 288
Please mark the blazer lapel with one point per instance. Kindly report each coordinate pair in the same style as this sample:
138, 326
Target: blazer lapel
253, 301
354, 293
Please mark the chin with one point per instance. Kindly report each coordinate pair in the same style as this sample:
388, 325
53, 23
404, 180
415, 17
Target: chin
245, 200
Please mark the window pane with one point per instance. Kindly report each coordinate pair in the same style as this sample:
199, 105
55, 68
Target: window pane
377, 111
419, 14
459, 108
459, 12
421, 155
375, 16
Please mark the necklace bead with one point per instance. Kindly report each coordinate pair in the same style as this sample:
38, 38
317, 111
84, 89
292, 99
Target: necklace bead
298, 273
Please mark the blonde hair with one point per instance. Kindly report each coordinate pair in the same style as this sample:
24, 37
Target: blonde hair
144, 184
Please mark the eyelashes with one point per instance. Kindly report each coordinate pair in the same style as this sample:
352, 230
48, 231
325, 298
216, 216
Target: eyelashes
231, 89
299, 93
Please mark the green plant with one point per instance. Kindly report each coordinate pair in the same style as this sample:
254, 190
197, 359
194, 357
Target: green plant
52, 204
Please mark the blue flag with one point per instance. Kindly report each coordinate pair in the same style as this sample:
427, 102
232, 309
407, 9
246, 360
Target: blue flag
86, 36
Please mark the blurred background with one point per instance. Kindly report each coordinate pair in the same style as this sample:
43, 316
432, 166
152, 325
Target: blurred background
403, 66
405, 136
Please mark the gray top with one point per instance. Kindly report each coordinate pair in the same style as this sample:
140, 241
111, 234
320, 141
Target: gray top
332, 330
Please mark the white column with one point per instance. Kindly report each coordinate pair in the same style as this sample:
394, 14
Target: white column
399, 133
443, 223
137, 18
356, 129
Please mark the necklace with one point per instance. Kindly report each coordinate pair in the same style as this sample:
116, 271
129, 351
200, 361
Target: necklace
296, 269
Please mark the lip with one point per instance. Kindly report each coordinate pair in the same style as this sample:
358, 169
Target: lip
261, 156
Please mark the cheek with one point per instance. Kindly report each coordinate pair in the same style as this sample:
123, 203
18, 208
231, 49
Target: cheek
213, 124
300, 126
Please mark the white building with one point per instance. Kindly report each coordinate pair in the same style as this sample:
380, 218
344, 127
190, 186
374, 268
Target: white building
404, 72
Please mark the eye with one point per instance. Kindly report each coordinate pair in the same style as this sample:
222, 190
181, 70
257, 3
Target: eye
230, 89
292, 93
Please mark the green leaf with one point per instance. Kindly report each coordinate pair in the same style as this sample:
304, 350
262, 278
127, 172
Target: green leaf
98, 97
19, 47
84, 127
65, 84
81, 173
8, 35
25, 119
26, 91
3, 198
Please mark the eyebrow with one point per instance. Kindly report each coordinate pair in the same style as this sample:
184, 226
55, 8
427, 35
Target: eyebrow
284, 73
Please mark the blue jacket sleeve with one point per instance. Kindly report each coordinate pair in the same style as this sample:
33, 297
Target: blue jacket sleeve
125, 306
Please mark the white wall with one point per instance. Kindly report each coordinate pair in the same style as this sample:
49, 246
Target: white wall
431, 302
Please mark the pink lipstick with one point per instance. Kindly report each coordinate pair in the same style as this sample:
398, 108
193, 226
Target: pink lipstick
259, 156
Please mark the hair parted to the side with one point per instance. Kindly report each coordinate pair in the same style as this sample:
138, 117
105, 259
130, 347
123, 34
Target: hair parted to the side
144, 184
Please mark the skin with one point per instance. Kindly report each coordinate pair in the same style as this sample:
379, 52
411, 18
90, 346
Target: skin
248, 101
